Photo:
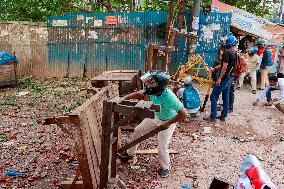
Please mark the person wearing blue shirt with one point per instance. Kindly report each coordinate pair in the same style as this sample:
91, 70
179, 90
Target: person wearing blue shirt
266, 62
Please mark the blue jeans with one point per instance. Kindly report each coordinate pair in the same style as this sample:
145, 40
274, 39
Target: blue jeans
224, 88
268, 94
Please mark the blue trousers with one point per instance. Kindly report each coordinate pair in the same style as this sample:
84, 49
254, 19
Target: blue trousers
223, 88
268, 94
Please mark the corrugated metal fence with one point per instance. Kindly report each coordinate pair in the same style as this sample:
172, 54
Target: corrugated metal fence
212, 28
87, 44
79, 44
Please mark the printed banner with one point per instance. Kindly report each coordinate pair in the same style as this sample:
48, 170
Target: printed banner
111, 20
250, 23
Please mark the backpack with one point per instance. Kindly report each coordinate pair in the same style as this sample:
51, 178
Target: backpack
240, 66
191, 98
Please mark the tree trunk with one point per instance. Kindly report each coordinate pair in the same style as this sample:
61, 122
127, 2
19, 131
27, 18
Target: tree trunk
263, 8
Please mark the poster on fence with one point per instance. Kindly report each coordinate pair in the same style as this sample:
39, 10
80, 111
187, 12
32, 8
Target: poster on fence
111, 20
250, 23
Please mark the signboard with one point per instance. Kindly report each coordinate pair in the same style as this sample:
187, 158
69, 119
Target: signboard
250, 23
59, 23
111, 20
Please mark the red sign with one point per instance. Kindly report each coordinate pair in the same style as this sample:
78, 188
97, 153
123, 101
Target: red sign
111, 20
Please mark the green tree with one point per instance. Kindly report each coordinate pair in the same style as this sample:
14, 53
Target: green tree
38, 10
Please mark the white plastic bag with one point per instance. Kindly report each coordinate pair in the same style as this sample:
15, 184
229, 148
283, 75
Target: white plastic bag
253, 175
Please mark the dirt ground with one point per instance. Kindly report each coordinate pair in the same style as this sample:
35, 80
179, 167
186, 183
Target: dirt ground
258, 130
43, 151
47, 155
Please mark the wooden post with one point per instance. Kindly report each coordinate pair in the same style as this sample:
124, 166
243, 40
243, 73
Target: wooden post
106, 146
149, 57
82, 156
114, 146
168, 49
155, 58
180, 16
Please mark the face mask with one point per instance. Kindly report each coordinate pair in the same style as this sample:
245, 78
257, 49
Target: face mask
154, 90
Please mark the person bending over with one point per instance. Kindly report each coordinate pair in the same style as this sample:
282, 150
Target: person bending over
171, 112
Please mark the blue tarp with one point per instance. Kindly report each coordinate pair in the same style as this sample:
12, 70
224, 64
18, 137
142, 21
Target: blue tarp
6, 57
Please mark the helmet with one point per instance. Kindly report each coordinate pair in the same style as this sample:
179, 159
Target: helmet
253, 50
260, 42
187, 80
230, 40
155, 81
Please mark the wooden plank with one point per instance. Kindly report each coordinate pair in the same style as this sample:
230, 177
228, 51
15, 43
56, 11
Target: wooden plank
95, 133
60, 119
106, 147
154, 151
114, 147
150, 57
142, 138
90, 150
127, 127
89, 102
280, 107
155, 58
129, 102
81, 154
124, 109
68, 185
121, 122
121, 184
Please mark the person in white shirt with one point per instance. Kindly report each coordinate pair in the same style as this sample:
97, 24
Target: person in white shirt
275, 83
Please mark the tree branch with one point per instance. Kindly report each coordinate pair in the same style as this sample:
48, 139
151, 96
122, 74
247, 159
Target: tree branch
74, 7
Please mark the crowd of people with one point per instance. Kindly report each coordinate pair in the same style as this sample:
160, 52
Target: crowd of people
233, 65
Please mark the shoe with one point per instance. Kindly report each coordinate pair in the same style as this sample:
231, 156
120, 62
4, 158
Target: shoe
208, 118
253, 91
124, 156
219, 108
221, 118
165, 173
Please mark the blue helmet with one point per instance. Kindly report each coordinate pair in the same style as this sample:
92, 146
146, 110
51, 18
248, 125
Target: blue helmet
230, 40
253, 50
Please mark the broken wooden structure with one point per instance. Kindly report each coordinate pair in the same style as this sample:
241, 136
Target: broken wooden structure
128, 80
94, 126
